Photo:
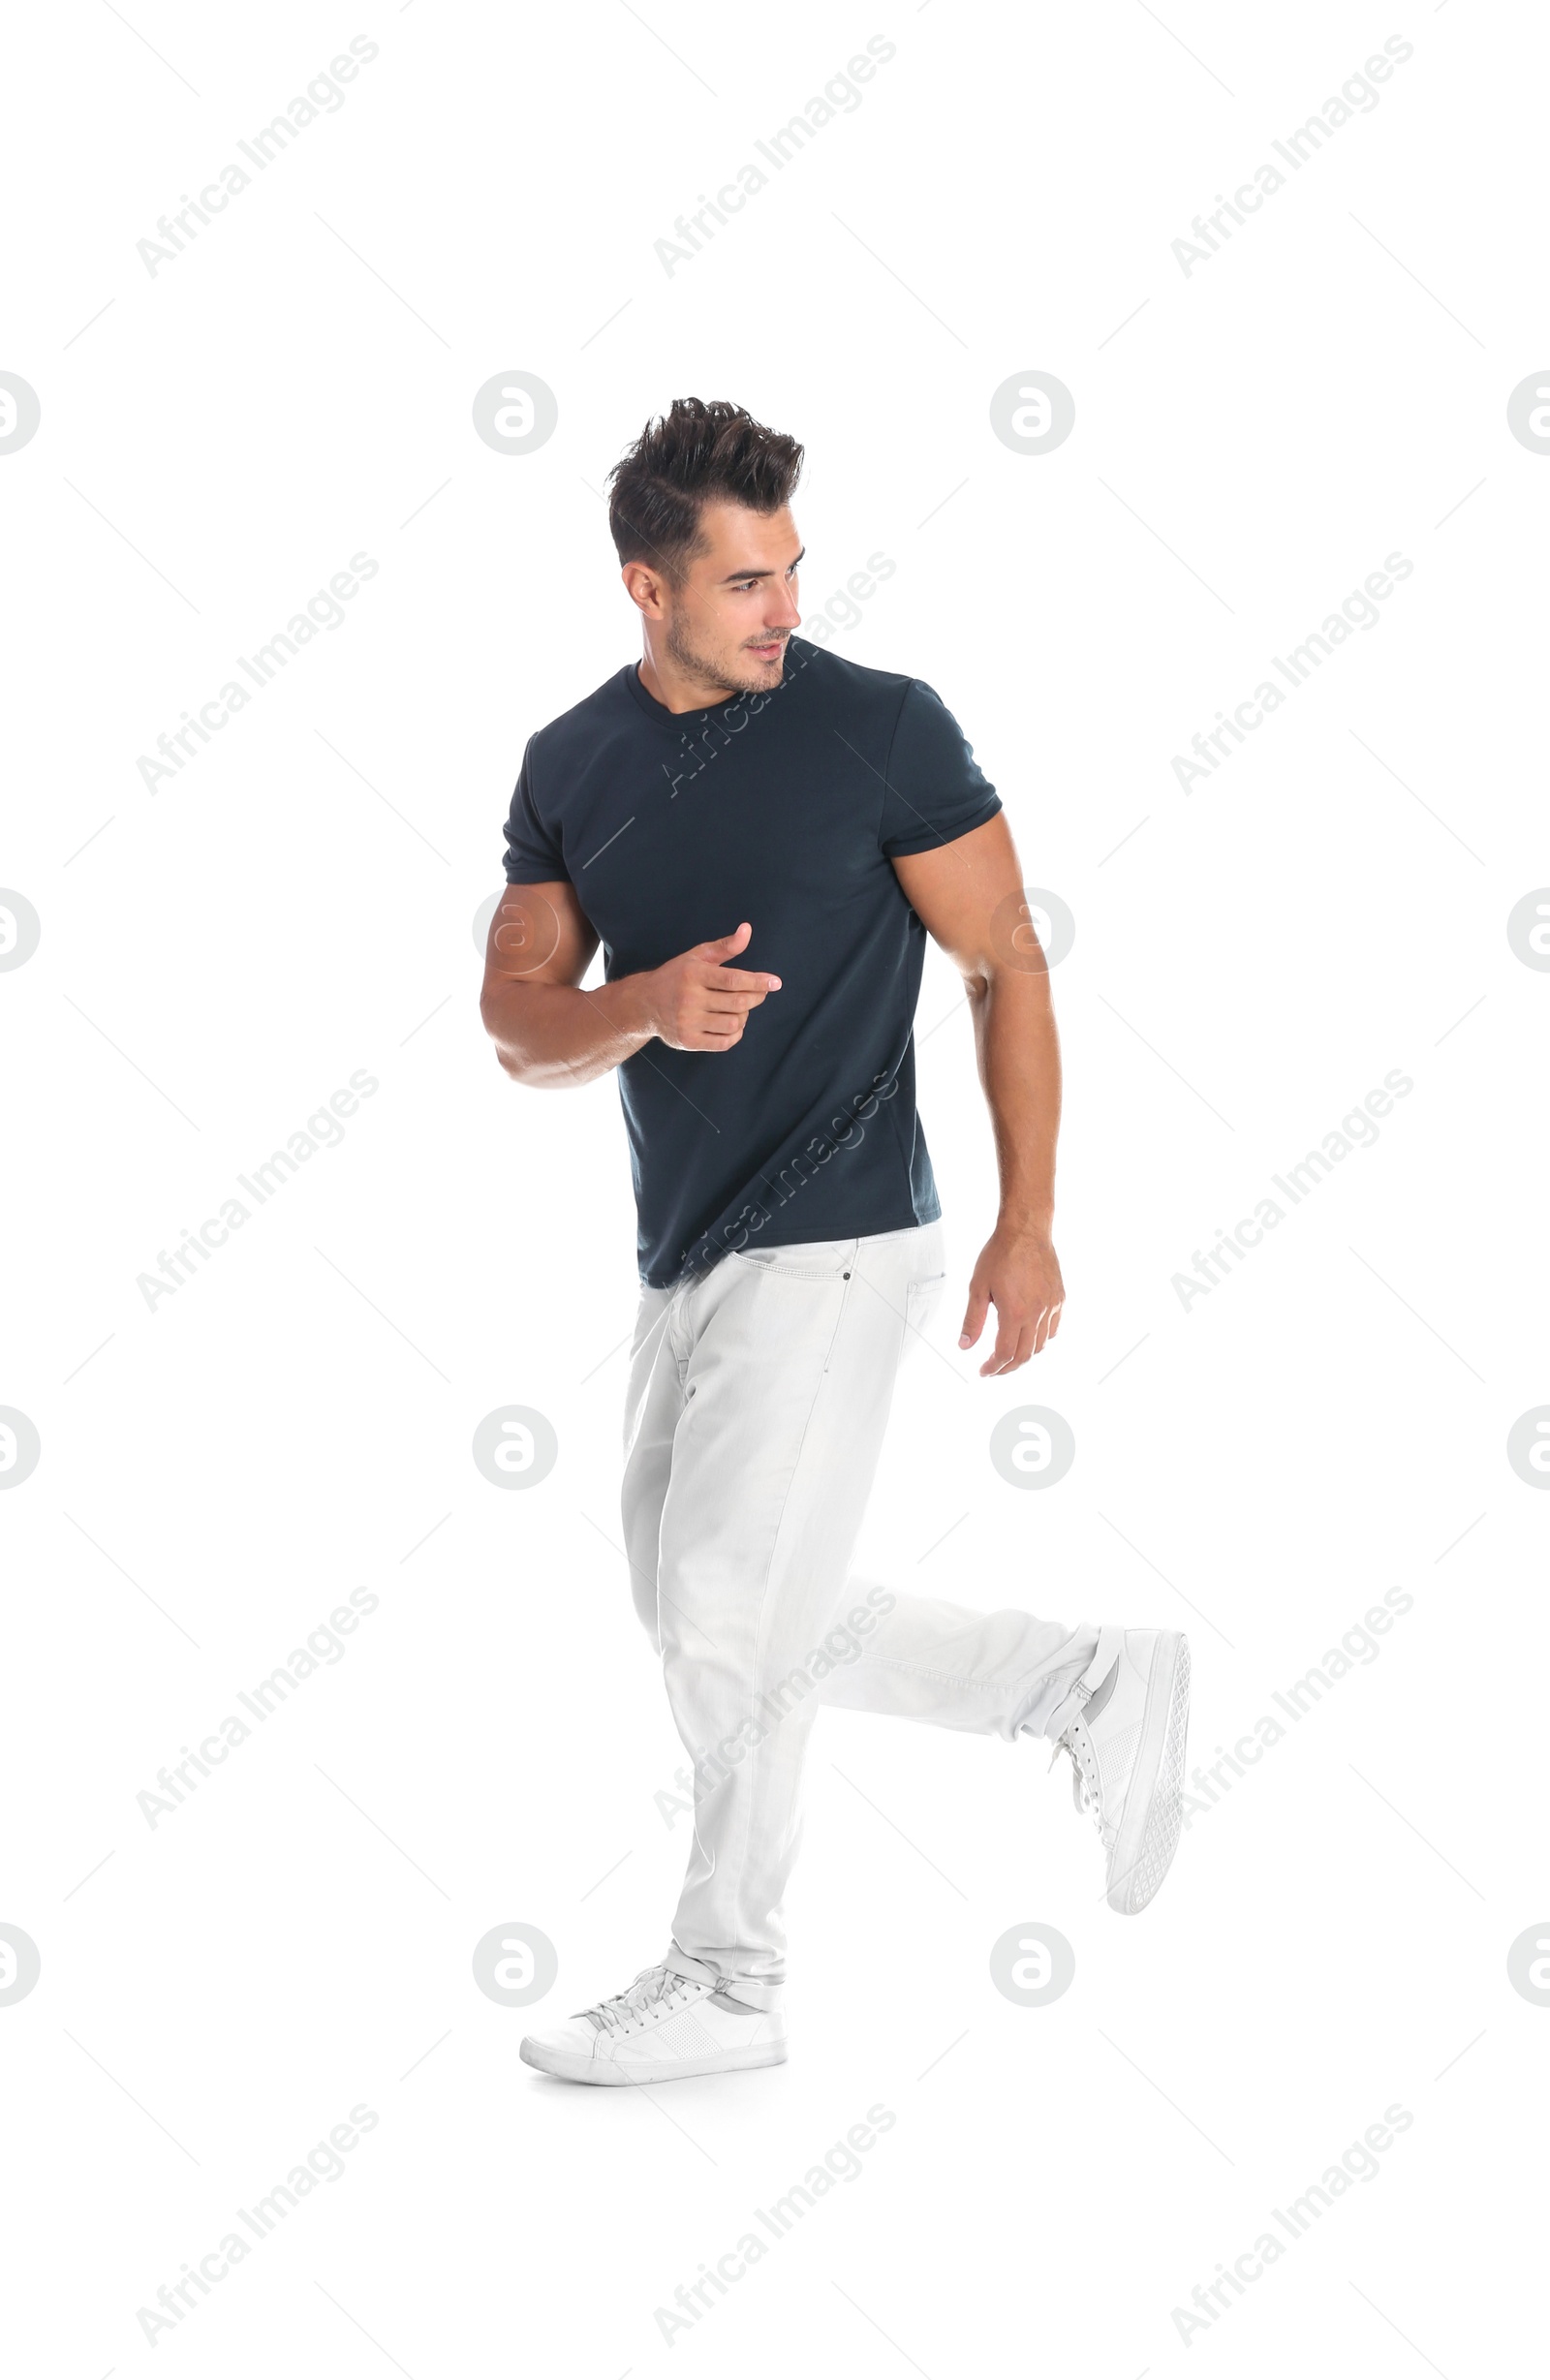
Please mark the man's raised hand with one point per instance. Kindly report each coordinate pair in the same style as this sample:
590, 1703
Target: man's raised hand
698, 1002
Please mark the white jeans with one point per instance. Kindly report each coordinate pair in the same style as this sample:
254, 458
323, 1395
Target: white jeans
759, 1395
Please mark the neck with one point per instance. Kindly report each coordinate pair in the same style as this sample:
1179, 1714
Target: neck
677, 689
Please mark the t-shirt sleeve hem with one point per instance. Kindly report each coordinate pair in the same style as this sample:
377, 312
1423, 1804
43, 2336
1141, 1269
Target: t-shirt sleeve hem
904, 846
531, 872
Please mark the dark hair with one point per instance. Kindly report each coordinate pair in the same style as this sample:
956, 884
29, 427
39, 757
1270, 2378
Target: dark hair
694, 453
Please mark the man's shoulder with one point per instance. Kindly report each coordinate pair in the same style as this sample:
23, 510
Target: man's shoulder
607, 704
830, 673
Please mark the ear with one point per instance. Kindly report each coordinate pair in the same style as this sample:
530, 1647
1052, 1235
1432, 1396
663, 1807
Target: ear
644, 588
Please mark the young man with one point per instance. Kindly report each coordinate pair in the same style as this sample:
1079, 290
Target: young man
760, 835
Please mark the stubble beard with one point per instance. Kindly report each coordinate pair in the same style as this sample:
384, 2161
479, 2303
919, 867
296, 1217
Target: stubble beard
756, 678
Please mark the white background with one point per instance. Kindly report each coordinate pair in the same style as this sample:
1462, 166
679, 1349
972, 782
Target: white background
217, 957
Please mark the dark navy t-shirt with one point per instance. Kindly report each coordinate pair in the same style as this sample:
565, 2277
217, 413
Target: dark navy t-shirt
785, 809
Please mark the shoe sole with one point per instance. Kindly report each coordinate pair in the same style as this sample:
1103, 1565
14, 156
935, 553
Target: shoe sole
1144, 1851
571, 2067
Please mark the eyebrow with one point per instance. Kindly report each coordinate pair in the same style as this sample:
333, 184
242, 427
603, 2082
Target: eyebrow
735, 577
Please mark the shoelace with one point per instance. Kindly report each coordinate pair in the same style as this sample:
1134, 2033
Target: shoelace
626, 2009
1086, 1792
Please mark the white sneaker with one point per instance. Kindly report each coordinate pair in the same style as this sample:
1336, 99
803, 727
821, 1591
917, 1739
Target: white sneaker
1124, 1724
664, 2027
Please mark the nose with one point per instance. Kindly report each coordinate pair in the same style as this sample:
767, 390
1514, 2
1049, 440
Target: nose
783, 612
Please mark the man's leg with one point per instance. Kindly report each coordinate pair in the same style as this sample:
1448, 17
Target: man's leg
988, 1673
1116, 1700
788, 1359
653, 1401
909, 1657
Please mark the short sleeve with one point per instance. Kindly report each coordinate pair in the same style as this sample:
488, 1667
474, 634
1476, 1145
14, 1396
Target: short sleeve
936, 790
533, 854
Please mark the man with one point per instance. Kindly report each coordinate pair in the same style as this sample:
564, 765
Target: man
760, 835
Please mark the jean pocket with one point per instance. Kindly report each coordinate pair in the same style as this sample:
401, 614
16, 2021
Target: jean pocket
813, 1260
920, 1302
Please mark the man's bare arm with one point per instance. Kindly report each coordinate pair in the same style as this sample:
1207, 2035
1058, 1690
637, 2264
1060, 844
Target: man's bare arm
968, 894
548, 1031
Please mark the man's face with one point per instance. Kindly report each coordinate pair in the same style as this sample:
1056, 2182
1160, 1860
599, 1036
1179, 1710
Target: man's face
727, 623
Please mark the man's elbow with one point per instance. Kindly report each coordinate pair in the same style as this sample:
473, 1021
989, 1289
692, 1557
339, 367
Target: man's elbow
508, 1056
980, 973
518, 1065
522, 1065
1023, 957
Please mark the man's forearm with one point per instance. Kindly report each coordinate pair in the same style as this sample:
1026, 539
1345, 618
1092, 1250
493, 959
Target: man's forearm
558, 1035
1018, 1052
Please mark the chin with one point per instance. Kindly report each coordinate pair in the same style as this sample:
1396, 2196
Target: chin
745, 675
765, 672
